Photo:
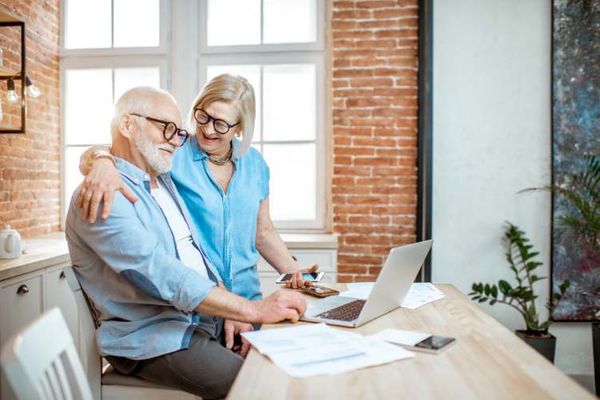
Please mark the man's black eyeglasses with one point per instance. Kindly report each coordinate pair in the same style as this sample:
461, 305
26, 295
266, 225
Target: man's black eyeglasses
169, 129
220, 126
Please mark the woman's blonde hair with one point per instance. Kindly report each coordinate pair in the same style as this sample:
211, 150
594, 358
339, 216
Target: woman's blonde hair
233, 90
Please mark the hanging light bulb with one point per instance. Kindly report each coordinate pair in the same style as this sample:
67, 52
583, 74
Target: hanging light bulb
11, 95
31, 89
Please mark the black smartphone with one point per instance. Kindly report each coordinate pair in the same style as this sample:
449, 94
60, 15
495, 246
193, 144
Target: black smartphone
434, 343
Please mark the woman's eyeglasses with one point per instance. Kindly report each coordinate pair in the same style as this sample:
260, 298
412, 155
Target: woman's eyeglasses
169, 129
219, 125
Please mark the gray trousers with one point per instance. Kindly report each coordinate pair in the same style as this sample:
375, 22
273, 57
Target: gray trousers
206, 368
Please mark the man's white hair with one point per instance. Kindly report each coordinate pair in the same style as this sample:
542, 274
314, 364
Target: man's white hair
139, 100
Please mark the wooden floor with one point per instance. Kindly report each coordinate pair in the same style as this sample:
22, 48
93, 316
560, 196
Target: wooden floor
487, 362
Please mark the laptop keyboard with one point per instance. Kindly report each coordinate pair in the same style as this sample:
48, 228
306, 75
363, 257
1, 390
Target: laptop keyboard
346, 312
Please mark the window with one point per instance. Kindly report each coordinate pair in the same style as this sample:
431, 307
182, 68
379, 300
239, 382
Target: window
102, 56
279, 47
109, 46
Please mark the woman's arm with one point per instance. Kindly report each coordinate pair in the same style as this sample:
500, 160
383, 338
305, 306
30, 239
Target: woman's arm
101, 180
271, 247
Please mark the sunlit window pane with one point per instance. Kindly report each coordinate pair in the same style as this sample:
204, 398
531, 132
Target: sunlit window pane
88, 106
87, 24
252, 74
233, 22
290, 102
293, 181
137, 23
290, 21
127, 78
72, 175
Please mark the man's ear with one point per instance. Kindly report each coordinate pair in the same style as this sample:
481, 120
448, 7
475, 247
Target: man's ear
126, 125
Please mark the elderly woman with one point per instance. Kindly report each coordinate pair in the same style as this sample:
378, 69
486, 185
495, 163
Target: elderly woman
223, 182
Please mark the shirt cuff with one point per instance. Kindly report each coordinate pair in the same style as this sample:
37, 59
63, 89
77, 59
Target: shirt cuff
193, 290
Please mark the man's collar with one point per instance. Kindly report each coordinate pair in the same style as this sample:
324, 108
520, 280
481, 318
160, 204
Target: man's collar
200, 154
135, 174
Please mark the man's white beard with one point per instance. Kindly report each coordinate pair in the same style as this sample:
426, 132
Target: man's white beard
153, 154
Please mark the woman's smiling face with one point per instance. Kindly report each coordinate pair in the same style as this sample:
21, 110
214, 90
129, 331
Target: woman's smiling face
211, 141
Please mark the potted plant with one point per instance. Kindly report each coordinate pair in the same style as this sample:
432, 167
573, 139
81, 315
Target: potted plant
521, 296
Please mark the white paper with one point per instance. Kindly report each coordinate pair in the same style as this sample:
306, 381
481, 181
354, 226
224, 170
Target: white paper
358, 290
401, 337
418, 295
318, 349
421, 294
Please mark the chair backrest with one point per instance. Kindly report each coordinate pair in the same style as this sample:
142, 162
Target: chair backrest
41, 362
90, 358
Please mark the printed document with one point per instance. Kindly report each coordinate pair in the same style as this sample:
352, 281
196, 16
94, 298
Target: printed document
420, 293
318, 349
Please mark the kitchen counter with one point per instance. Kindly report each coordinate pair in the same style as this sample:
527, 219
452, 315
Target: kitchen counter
38, 253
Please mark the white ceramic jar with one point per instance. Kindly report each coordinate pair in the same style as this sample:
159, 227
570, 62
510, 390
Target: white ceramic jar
10, 243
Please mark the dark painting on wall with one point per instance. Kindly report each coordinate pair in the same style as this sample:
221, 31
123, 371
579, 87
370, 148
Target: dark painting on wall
575, 133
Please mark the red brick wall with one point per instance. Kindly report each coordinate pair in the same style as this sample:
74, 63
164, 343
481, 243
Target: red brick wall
30, 162
374, 181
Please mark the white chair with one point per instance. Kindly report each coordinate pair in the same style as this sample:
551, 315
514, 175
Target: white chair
41, 362
108, 384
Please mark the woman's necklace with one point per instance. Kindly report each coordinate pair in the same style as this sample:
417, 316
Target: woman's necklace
221, 160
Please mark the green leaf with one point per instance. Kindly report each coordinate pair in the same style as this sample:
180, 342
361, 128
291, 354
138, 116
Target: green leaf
532, 265
564, 286
535, 278
528, 255
494, 291
544, 327
504, 287
556, 296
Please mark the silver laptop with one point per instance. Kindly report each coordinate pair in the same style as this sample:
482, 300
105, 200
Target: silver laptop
398, 273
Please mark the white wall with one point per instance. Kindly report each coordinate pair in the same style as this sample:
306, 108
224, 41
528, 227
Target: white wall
491, 138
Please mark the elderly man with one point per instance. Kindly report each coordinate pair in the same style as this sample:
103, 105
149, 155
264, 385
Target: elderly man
157, 298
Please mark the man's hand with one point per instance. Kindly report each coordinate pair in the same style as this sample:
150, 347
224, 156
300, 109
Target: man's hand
100, 184
297, 281
232, 329
279, 306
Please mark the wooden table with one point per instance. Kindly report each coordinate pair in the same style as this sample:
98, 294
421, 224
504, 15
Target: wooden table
487, 362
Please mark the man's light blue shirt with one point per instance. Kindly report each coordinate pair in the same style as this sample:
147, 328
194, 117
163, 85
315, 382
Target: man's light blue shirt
142, 294
226, 221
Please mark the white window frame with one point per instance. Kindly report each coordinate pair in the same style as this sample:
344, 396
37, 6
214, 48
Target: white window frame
119, 57
162, 48
269, 54
318, 45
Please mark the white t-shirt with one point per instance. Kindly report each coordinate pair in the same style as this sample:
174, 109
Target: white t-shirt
188, 253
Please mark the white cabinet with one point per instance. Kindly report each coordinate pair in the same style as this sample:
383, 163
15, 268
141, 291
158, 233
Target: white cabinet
21, 302
25, 297
58, 294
